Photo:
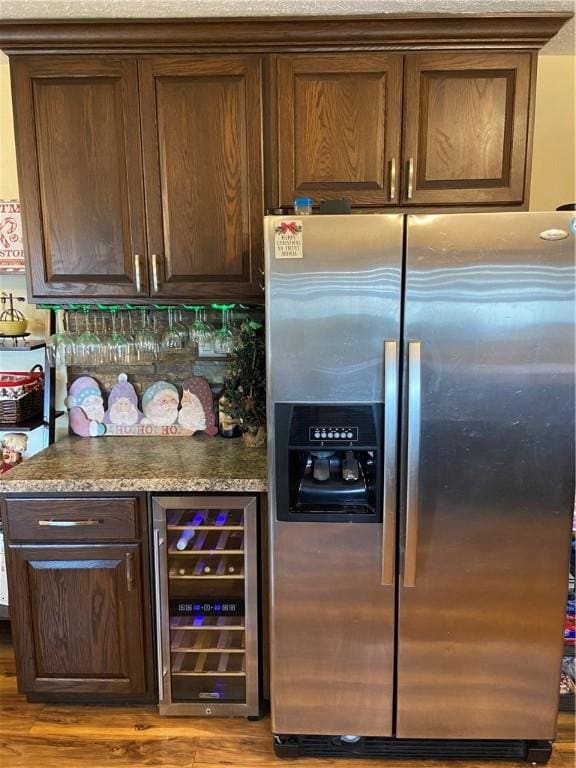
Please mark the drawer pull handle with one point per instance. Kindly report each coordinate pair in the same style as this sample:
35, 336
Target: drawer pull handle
68, 523
130, 571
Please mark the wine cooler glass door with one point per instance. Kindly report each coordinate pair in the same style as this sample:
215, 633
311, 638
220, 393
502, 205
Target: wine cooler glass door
206, 561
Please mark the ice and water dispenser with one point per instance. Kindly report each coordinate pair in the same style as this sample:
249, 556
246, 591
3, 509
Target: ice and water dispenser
328, 462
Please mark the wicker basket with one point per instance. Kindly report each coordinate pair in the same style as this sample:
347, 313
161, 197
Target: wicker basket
21, 395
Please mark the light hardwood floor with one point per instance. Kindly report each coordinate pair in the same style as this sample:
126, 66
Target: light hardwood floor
49, 736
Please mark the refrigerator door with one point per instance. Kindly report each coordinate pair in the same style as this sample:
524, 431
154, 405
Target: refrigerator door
329, 316
489, 472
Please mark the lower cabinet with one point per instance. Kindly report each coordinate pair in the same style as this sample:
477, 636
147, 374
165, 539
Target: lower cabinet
80, 607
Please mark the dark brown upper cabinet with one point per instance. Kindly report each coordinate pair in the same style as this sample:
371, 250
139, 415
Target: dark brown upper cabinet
466, 119
80, 174
140, 144
201, 133
339, 120
93, 134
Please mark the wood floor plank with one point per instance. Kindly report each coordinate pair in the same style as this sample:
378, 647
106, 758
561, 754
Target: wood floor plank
565, 726
27, 751
140, 723
17, 719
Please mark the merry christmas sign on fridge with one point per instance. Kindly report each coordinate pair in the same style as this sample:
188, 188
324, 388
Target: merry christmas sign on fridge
162, 410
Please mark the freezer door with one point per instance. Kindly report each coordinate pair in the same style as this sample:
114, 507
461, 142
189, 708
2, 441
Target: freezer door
488, 448
333, 325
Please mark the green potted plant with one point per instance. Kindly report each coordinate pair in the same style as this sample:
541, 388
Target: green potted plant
244, 391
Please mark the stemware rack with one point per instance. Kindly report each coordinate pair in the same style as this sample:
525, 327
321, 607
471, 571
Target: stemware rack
141, 334
205, 556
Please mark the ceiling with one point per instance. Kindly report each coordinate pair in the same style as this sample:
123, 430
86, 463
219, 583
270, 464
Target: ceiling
563, 43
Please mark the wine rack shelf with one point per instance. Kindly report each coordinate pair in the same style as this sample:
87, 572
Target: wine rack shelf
207, 623
207, 590
223, 664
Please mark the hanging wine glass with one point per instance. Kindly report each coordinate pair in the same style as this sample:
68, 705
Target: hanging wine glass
105, 333
118, 342
127, 331
180, 327
60, 345
145, 339
88, 343
197, 330
206, 340
234, 324
223, 338
172, 339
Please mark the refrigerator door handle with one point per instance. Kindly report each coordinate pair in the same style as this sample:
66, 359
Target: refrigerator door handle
390, 461
413, 462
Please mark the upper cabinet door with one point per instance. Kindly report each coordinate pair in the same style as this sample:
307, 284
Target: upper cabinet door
466, 119
80, 174
339, 127
201, 133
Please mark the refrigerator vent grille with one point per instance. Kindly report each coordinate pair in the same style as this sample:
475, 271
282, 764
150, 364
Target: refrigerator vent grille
400, 749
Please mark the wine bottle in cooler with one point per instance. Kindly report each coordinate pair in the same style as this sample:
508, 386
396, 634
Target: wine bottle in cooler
184, 539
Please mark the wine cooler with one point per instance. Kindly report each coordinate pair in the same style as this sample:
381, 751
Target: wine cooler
205, 550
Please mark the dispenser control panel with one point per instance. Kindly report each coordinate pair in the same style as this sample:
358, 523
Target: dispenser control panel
333, 433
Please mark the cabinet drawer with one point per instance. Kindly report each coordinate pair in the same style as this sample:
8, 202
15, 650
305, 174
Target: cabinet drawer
71, 519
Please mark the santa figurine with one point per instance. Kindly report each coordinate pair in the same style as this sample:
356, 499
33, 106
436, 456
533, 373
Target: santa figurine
196, 412
85, 407
160, 404
123, 404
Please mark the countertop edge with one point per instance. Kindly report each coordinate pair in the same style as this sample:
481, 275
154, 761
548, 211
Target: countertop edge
136, 485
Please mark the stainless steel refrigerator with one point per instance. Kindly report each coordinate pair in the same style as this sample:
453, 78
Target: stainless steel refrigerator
420, 372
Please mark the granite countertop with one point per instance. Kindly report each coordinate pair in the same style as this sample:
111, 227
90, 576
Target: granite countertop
115, 464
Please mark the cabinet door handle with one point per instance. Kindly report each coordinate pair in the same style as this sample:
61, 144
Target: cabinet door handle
68, 523
137, 272
155, 283
410, 178
393, 178
130, 571
261, 286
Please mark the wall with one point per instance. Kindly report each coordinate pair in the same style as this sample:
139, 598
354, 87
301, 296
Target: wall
554, 159
9, 190
16, 283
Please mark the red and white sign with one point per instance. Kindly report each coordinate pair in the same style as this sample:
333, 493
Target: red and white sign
288, 243
11, 241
